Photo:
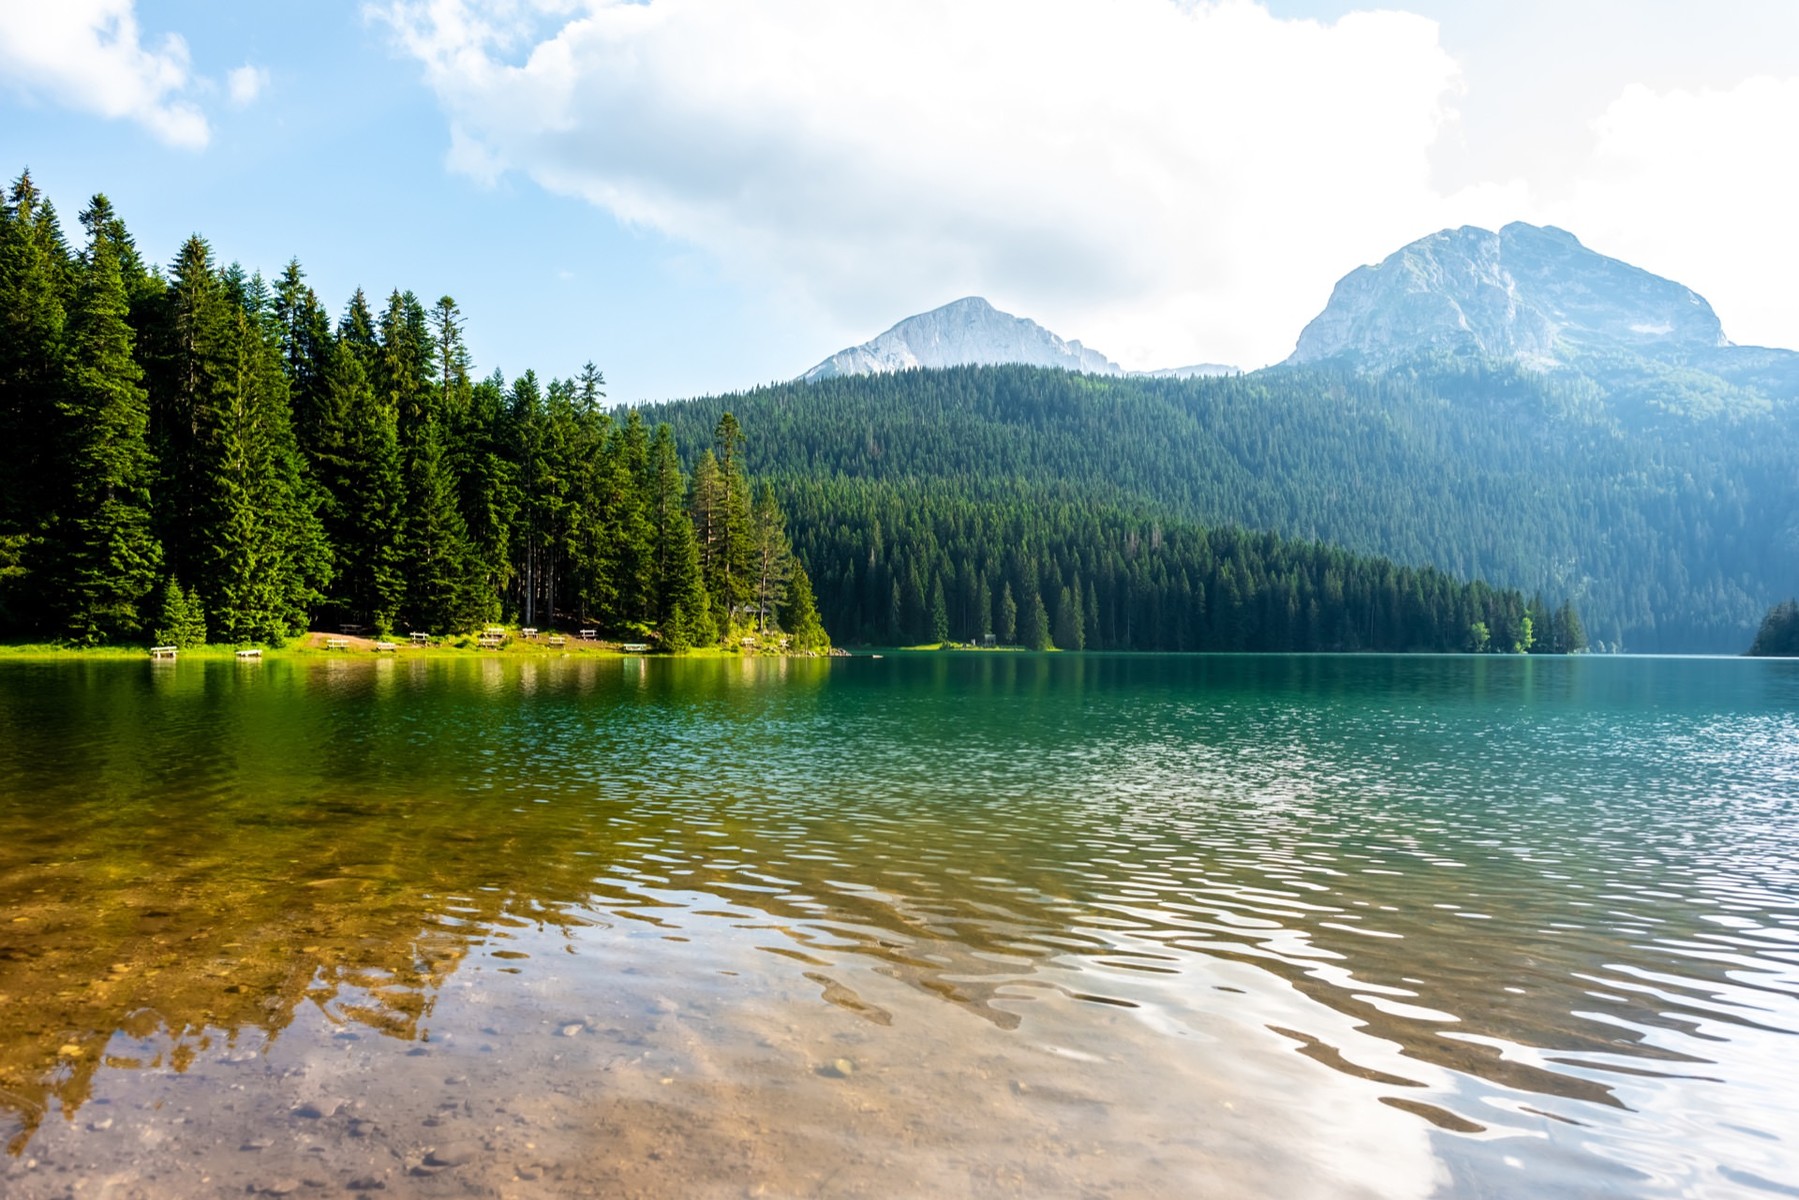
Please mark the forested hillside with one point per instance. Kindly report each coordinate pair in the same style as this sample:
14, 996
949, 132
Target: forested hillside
1669, 531
209, 454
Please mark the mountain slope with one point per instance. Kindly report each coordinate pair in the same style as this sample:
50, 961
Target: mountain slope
1669, 538
966, 332
1530, 294
1537, 297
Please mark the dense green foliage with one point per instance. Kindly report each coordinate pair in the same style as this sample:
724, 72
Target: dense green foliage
1672, 531
204, 454
1778, 636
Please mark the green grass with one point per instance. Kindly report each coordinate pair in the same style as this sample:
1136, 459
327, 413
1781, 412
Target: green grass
460, 646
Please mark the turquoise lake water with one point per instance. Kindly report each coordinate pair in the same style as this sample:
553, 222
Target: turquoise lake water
923, 925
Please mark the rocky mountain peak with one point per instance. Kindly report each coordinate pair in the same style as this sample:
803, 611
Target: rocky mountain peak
965, 332
1533, 294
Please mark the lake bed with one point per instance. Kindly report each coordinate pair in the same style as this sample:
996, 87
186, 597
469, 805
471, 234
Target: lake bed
1058, 925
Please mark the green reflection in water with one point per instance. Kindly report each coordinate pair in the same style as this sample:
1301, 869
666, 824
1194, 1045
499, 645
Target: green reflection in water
1543, 877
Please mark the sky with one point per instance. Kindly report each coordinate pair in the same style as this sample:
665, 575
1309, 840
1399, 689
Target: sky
704, 195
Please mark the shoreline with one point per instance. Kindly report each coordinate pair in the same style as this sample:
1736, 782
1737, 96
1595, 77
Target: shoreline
313, 645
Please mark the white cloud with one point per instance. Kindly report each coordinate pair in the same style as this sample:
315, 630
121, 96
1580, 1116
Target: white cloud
243, 84
1170, 182
1701, 186
87, 54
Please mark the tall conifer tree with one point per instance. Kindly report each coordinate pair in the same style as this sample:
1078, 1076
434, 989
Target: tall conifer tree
107, 558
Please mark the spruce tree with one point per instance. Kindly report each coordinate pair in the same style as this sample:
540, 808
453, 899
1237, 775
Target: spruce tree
772, 562
179, 619
35, 273
108, 555
437, 559
803, 624
939, 612
1034, 630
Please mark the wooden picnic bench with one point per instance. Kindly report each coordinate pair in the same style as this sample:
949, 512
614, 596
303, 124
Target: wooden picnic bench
420, 639
251, 653
489, 641
528, 631
379, 646
337, 643
635, 647
557, 639
162, 651
589, 635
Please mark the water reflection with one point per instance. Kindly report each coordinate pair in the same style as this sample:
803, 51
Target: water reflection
1483, 901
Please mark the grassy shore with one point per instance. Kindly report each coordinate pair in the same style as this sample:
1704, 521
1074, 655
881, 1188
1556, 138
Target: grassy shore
313, 645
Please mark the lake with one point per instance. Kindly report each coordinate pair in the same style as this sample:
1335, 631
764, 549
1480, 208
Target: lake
924, 925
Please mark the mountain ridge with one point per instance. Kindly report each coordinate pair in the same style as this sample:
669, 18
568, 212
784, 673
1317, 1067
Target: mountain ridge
1531, 294
971, 332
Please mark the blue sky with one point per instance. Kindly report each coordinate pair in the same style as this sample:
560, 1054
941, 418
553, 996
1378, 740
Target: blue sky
701, 195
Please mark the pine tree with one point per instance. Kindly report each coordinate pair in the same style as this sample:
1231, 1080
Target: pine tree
180, 619
803, 624
772, 561
436, 555
939, 612
1069, 631
108, 556
1008, 616
361, 471
35, 274
729, 531
1034, 631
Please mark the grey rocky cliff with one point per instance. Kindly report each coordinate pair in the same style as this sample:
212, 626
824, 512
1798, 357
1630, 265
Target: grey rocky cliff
1528, 293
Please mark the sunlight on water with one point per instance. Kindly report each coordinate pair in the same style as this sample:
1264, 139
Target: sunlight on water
927, 925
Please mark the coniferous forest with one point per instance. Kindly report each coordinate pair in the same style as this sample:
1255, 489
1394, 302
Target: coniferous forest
208, 455
201, 453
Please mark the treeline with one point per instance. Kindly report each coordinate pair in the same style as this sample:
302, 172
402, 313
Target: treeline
208, 455
910, 563
1778, 636
1672, 531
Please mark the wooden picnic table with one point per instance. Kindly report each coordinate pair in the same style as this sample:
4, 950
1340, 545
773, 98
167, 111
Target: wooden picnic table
379, 646
162, 651
337, 643
421, 638
557, 639
589, 635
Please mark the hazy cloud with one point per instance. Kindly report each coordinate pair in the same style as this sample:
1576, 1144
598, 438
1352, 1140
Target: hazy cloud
243, 84
1701, 186
1169, 182
87, 55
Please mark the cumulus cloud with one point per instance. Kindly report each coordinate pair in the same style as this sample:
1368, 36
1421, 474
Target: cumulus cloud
88, 55
243, 84
1701, 186
1168, 181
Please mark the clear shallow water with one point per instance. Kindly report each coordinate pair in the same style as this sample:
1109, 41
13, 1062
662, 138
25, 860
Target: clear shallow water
924, 925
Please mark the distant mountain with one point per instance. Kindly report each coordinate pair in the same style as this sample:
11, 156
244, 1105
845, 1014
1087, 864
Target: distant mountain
972, 333
966, 332
1534, 296
1527, 293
